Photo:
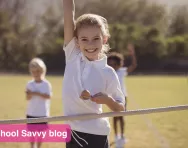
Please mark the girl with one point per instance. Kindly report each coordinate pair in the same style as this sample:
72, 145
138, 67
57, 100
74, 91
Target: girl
116, 60
38, 93
88, 81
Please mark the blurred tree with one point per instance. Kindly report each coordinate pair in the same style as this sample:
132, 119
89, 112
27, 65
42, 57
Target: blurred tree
179, 21
17, 39
51, 41
125, 11
177, 47
137, 21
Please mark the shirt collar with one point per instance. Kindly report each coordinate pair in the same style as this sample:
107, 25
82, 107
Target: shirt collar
101, 63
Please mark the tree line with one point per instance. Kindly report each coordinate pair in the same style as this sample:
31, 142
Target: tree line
160, 36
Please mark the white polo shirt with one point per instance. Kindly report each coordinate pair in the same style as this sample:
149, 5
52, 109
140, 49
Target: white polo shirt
38, 106
95, 76
122, 72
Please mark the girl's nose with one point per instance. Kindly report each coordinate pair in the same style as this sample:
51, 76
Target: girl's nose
90, 43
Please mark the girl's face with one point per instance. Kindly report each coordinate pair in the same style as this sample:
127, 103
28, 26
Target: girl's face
37, 74
90, 41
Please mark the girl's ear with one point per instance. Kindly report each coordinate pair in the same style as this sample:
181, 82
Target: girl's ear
105, 40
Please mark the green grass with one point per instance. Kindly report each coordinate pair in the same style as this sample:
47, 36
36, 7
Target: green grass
144, 91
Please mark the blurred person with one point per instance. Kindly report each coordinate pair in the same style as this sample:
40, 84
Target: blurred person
38, 94
116, 60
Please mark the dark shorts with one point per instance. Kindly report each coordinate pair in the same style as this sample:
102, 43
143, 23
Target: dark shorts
94, 141
28, 116
44, 125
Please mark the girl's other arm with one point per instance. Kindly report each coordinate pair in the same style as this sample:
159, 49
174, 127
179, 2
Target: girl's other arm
133, 65
68, 13
44, 96
115, 105
47, 93
102, 98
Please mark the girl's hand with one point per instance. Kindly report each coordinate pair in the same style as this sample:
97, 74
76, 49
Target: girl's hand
101, 98
44, 96
28, 94
85, 95
32, 93
36, 94
28, 91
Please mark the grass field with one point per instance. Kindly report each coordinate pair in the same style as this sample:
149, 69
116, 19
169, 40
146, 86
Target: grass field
144, 92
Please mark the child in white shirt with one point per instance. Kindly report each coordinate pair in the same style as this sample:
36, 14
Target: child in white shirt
38, 93
116, 61
88, 81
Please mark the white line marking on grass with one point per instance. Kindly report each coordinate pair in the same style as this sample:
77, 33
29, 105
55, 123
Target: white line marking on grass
162, 140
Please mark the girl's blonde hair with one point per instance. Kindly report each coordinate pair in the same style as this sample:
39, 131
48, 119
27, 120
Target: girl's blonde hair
93, 20
38, 63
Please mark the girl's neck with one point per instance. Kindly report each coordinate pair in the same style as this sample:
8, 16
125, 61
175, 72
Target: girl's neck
38, 81
93, 59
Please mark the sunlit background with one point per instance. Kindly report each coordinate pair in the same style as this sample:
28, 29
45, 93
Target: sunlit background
157, 28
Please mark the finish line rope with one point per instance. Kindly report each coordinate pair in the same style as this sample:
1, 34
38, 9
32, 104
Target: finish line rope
93, 116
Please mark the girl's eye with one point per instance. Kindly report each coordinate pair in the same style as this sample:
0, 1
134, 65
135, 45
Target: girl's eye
96, 39
84, 39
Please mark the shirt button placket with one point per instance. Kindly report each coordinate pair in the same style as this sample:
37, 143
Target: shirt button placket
85, 72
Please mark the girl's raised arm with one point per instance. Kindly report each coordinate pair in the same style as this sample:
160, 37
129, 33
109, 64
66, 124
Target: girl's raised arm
68, 13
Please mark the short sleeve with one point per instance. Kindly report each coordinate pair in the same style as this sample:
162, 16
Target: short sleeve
28, 86
48, 90
114, 88
71, 51
124, 71
121, 75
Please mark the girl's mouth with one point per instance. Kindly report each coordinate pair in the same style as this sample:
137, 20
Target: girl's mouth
91, 50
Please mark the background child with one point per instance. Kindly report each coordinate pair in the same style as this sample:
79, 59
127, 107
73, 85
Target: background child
38, 93
87, 79
116, 61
